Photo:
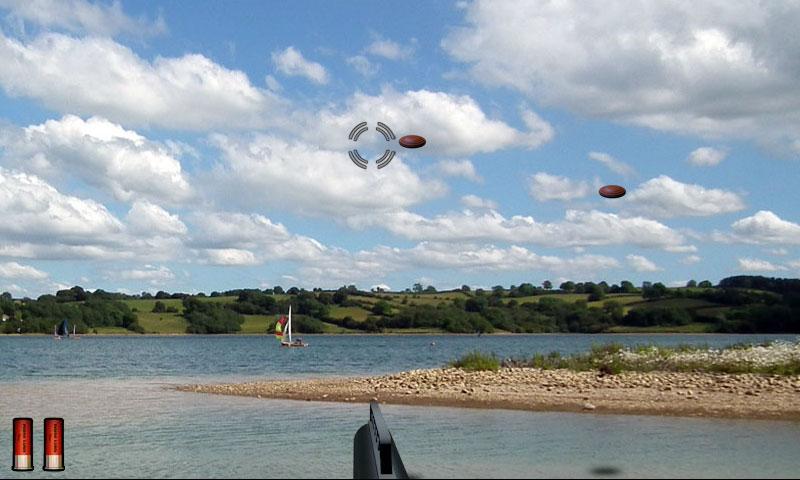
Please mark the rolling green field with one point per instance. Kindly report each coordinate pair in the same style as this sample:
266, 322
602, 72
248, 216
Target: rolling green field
173, 323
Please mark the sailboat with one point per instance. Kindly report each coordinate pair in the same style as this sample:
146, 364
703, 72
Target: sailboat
74, 334
283, 332
59, 333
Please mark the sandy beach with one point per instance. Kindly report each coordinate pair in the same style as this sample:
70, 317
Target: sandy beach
654, 393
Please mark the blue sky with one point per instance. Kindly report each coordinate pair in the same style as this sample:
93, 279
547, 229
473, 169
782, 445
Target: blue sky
199, 146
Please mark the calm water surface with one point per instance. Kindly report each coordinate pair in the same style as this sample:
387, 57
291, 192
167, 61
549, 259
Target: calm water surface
123, 420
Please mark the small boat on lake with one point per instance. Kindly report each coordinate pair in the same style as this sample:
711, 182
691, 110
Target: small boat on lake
283, 332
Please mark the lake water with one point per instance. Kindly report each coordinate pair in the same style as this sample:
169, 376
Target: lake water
123, 420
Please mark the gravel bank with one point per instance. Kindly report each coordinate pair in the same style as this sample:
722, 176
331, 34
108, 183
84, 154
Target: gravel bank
653, 393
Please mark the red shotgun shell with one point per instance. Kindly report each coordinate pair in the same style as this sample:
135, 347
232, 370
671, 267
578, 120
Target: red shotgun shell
23, 445
53, 444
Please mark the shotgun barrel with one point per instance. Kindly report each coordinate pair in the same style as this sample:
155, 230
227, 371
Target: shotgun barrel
374, 452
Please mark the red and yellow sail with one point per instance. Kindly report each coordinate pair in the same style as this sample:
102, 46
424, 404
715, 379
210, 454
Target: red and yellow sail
279, 328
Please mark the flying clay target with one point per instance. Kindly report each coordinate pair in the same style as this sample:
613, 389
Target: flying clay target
612, 191
412, 141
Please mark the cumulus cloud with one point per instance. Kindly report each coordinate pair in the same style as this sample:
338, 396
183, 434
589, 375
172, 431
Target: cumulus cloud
363, 65
544, 187
612, 163
150, 273
757, 265
454, 125
305, 178
459, 168
13, 270
390, 49
716, 69
578, 229
476, 202
795, 264
707, 157
691, 259
97, 76
664, 197
102, 154
224, 238
150, 219
764, 227
292, 63
82, 16
32, 209
641, 264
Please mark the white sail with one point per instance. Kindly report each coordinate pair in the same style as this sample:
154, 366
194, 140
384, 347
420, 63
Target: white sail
289, 325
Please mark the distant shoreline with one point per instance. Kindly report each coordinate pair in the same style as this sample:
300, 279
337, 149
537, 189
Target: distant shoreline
397, 334
654, 393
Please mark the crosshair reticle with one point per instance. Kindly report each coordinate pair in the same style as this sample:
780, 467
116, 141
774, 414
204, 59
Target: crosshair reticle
387, 156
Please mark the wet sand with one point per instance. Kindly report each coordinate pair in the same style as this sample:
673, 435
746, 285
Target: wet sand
654, 393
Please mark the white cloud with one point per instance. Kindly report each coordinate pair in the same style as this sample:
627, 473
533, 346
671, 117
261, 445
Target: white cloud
757, 265
453, 125
544, 187
304, 178
711, 69
150, 219
363, 65
577, 229
612, 163
273, 83
762, 228
707, 157
459, 168
13, 270
241, 239
641, 264
150, 273
779, 252
476, 202
82, 16
794, 264
97, 76
691, 260
390, 50
101, 153
291, 62
33, 209
664, 197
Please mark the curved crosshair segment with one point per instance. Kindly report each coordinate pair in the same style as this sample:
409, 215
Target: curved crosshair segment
387, 156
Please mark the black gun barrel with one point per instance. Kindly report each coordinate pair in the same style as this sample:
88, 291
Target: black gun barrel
374, 452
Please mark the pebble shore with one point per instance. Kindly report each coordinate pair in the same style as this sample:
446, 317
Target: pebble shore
653, 393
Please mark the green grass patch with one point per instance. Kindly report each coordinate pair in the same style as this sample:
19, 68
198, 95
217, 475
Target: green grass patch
477, 362
357, 313
161, 323
691, 328
113, 331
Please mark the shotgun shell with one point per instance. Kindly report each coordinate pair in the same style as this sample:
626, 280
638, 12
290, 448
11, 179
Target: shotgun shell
23, 445
53, 444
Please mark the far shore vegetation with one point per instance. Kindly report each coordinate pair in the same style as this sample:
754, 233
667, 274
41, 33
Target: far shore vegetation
774, 358
743, 304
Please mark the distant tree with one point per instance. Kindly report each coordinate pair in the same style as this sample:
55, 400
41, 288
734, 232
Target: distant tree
146, 295
596, 293
526, 290
547, 284
293, 291
498, 289
430, 289
381, 308
216, 294
159, 307
705, 284
278, 290
567, 286
691, 284
465, 288
417, 288
604, 286
6, 296
627, 287
162, 295
647, 285
655, 292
